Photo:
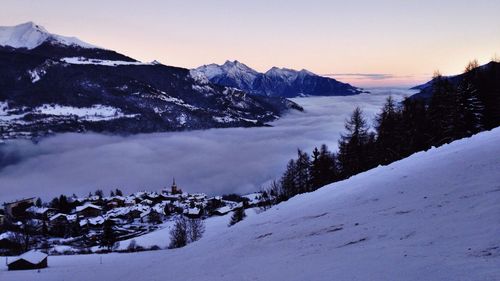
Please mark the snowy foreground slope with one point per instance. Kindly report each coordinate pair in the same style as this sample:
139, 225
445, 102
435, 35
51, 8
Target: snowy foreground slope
433, 216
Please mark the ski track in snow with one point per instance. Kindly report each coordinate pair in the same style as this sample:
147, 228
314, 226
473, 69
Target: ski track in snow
432, 216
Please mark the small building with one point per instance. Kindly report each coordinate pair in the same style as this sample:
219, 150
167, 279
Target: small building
222, 211
88, 210
117, 201
41, 213
30, 260
8, 243
193, 213
17, 209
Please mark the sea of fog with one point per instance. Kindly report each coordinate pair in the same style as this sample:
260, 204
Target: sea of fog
215, 161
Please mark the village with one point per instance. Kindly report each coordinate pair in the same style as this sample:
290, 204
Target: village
97, 223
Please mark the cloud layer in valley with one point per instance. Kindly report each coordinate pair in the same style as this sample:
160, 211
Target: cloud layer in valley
213, 161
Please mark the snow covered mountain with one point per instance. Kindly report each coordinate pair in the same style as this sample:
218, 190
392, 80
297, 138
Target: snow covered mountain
51, 83
431, 216
30, 35
276, 82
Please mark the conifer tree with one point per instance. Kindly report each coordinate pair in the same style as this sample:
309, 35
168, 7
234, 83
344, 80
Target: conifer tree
389, 133
108, 237
352, 145
323, 167
443, 111
288, 183
238, 215
471, 106
302, 172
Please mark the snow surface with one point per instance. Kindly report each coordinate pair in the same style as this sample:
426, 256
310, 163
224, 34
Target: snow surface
96, 112
87, 61
30, 35
432, 216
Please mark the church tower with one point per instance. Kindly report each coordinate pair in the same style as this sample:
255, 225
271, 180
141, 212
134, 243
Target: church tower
174, 189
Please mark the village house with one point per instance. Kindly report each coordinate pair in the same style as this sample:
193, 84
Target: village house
41, 213
17, 209
115, 202
193, 213
30, 260
61, 219
88, 210
93, 223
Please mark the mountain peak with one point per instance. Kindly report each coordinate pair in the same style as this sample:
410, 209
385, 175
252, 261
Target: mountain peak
283, 82
30, 35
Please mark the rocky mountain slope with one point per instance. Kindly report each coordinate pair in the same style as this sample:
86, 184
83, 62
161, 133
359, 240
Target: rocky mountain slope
51, 83
276, 82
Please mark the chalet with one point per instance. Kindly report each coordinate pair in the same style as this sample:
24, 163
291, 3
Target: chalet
111, 205
117, 201
61, 219
129, 201
8, 242
17, 209
147, 202
95, 223
134, 214
193, 213
41, 213
29, 260
88, 210
222, 211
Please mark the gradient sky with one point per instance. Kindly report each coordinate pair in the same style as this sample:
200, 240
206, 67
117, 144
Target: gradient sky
365, 42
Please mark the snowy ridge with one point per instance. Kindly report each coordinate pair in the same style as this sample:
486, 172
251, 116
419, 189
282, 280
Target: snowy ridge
235, 70
432, 216
89, 61
287, 74
30, 35
282, 82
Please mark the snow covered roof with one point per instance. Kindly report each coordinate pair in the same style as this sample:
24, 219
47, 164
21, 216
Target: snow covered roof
193, 211
32, 256
125, 210
93, 221
224, 210
57, 216
37, 210
6, 235
146, 202
160, 207
68, 217
89, 205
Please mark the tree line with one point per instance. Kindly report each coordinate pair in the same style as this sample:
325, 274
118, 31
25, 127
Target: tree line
400, 129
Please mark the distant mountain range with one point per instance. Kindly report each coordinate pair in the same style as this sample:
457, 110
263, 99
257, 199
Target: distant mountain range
51, 83
276, 82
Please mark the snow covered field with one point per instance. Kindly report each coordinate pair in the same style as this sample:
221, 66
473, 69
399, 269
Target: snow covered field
212, 161
432, 216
